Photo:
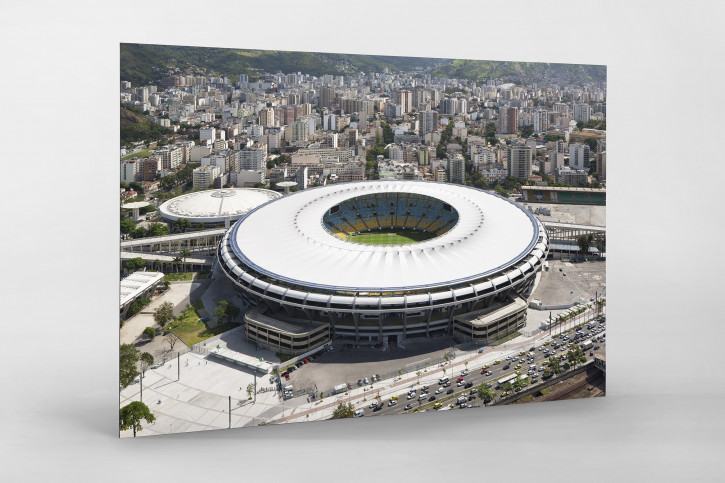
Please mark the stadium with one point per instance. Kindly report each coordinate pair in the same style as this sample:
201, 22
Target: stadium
215, 207
383, 261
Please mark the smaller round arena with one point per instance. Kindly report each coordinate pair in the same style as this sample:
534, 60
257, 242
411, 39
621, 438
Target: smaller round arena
216, 206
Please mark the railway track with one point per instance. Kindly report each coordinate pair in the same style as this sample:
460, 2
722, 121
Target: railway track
591, 380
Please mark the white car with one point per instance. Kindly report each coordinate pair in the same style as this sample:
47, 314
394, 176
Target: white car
359, 413
366, 380
411, 395
439, 390
464, 373
462, 383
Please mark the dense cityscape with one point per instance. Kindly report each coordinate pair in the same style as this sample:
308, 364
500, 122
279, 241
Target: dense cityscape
209, 160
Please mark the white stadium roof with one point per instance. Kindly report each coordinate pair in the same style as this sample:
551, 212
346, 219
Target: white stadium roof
286, 240
214, 206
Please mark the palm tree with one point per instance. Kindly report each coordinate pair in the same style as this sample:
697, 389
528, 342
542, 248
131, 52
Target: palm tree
184, 254
176, 262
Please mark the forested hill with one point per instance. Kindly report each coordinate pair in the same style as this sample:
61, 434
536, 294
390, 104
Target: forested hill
143, 64
522, 73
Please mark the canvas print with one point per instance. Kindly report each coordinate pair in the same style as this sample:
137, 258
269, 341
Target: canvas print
309, 236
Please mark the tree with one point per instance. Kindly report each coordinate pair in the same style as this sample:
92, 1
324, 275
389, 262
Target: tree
130, 416
233, 312
185, 253
147, 360
584, 241
127, 226
137, 305
139, 232
485, 394
221, 310
527, 131
182, 224
343, 411
592, 144
158, 229
171, 339
150, 332
164, 313
135, 263
554, 365
501, 191
129, 356
553, 137
250, 390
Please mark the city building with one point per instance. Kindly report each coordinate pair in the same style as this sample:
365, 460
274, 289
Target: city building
519, 161
456, 168
508, 120
579, 156
204, 176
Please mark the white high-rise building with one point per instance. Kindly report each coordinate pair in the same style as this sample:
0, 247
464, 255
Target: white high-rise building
207, 134
253, 158
204, 176
329, 122
582, 112
579, 156
541, 120
129, 170
217, 160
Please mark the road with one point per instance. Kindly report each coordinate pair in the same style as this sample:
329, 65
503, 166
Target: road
474, 376
361, 399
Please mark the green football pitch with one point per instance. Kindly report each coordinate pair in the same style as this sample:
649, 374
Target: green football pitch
398, 237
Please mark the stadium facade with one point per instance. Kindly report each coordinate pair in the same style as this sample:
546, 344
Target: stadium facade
296, 262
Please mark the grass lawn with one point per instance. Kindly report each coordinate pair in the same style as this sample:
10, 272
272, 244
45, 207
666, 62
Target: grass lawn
398, 237
181, 276
191, 330
141, 154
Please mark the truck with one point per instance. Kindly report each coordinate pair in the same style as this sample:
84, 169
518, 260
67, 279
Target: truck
587, 345
339, 388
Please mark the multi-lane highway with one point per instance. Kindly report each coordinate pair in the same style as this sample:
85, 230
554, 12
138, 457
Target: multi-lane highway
474, 374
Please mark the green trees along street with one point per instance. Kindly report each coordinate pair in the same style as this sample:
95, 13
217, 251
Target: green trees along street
130, 416
343, 411
129, 357
147, 360
164, 313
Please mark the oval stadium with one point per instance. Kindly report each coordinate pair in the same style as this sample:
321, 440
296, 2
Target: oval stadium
383, 261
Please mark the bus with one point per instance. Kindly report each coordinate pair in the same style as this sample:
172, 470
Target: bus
510, 378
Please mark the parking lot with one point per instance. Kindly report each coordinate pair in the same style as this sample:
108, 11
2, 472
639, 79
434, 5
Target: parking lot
569, 281
346, 364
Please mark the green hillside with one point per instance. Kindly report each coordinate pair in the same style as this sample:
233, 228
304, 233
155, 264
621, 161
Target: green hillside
521, 72
143, 64
137, 127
